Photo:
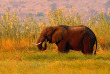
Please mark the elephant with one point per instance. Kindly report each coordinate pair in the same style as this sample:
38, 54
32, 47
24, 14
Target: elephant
79, 38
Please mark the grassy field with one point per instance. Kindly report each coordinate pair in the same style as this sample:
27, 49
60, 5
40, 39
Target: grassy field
19, 56
50, 62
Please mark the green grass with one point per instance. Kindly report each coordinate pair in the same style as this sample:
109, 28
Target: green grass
48, 62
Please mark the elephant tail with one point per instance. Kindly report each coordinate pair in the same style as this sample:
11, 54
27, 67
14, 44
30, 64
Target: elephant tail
96, 47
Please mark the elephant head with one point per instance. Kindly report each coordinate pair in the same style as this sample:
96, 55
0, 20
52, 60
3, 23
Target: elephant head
52, 34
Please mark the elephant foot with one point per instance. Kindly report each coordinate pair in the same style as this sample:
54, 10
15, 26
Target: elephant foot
63, 51
87, 53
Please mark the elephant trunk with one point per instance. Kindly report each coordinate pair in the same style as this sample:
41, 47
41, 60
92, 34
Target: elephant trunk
40, 42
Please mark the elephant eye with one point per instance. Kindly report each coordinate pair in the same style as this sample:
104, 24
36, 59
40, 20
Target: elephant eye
46, 31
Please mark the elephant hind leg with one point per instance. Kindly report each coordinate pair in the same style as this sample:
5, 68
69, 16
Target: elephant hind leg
87, 45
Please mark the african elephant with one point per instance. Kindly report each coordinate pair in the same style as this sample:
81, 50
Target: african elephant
68, 37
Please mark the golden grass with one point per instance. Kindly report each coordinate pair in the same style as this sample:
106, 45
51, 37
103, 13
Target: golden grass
50, 62
17, 35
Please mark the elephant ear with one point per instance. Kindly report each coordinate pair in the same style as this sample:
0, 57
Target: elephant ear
59, 34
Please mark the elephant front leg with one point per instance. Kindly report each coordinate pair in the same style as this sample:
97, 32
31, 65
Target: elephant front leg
62, 47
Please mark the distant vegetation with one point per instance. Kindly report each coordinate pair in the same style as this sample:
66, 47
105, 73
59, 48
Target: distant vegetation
17, 35
40, 14
23, 7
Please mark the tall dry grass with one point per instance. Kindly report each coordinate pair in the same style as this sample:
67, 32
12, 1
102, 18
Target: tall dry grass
16, 34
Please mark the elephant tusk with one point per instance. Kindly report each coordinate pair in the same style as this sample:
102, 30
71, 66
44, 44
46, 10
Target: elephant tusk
37, 43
